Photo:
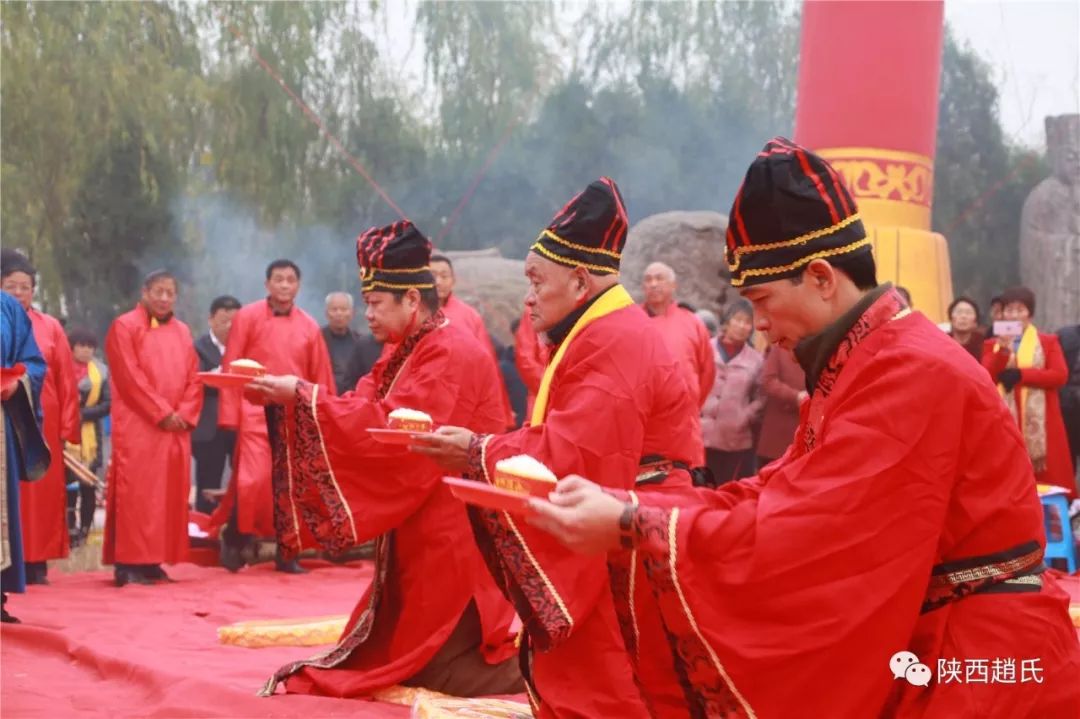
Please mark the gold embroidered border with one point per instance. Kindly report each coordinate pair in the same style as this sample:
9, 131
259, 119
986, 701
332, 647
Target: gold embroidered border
534, 701
571, 263
369, 286
292, 495
738, 282
800, 240
673, 549
370, 271
874, 153
987, 571
524, 546
329, 467
582, 248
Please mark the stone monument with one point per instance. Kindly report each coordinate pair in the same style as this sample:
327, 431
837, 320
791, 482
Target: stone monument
692, 243
1050, 230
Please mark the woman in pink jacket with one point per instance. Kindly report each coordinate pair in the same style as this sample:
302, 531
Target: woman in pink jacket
735, 403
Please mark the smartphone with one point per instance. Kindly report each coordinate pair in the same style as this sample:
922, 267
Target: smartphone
1008, 328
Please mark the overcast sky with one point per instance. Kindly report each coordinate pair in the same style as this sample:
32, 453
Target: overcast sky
1034, 48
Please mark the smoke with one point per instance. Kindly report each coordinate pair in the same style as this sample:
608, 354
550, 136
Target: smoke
230, 250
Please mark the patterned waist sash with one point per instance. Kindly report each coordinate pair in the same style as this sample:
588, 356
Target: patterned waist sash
1013, 570
654, 468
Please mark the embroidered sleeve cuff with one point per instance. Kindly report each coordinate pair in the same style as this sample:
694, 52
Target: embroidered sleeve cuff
649, 528
304, 391
475, 467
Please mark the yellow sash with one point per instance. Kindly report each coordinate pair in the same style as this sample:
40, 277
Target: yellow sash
614, 299
88, 446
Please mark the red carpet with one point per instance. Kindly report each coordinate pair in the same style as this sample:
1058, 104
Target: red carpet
88, 649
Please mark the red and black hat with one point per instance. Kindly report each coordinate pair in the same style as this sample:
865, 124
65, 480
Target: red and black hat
589, 231
394, 257
792, 209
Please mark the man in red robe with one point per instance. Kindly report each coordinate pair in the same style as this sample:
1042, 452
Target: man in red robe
684, 334
286, 341
442, 269
530, 357
156, 398
612, 400
898, 542
43, 504
432, 618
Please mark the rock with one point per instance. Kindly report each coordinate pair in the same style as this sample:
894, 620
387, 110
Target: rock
494, 285
1050, 230
692, 243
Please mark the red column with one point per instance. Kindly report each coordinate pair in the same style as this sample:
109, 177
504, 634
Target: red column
867, 102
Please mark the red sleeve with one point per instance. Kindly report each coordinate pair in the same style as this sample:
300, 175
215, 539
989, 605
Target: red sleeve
67, 389
131, 383
384, 484
229, 400
191, 402
705, 361
530, 355
595, 431
726, 573
1054, 374
772, 385
594, 426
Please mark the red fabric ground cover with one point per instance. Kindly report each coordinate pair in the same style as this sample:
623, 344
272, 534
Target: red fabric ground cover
88, 649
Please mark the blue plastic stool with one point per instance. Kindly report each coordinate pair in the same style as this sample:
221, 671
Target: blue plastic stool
1064, 548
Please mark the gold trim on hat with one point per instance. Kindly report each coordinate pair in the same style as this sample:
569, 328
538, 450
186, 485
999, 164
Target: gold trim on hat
800, 240
368, 286
764, 271
568, 262
370, 271
572, 246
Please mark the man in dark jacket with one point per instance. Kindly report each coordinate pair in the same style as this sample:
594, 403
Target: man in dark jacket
212, 446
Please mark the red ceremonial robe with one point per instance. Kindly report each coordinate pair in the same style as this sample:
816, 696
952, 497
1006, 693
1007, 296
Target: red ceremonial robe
530, 357
152, 371
347, 488
286, 344
688, 341
615, 397
902, 519
469, 319
1051, 378
43, 504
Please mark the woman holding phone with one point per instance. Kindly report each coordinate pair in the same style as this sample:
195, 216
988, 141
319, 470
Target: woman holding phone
1029, 368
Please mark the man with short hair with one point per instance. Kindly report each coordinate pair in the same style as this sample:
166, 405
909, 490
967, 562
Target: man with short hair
156, 397
44, 503
684, 334
899, 537
432, 617
286, 341
442, 269
341, 339
612, 401
212, 446
26, 455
